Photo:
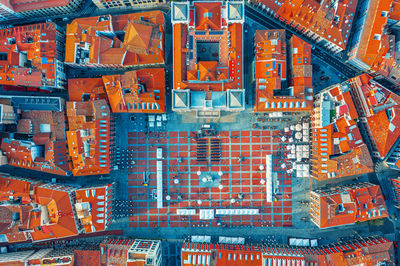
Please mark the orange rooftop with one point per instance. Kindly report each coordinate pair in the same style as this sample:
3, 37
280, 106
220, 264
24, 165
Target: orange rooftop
347, 205
208, 56
137, 91
116, 41
274, 90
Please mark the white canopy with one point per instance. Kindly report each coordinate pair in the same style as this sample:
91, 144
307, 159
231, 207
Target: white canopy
186, 212
237, 211
206, 214
201, 239
231, 240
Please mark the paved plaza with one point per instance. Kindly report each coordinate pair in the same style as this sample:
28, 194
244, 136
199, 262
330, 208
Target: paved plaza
240, 180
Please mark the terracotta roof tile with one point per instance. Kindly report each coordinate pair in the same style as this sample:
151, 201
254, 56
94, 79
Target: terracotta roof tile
88, 137
207, 55
331, 22
39, 46
373, 44
87, 257
381, 108
97, 40
98, 218
347, 205
274, 92
26, 5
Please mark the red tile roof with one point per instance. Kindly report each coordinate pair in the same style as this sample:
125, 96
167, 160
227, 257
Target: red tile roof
331, 22
273, 91
395, 10
15, 188
221, 74
373, 45
339, 150
61, 221
87, 257
93, 88
46, 151
48, 211
371, 251
93, 208
347, 205
381, 108
138, 91
207, 16
36, 43
88, 137
143, 41
26, 5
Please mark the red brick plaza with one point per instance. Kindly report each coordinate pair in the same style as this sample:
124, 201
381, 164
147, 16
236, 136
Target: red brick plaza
237, 178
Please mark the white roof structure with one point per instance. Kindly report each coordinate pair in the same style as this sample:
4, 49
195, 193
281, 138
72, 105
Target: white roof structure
276, 114
186, 212
268, 177
237, 211
159, 185
159, 153
302, 170
235, 12
206, 214
201, 239
180, 12
231, 240
300, 242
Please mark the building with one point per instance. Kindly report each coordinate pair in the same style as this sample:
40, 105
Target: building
338, 149
208, 57
372, 48
123, 41
379, 110
366, 251
37, 139
396, 191
135, 252
94, 207
394, 14
36, 211
89, 137
14, 9
32, 56
105, 4
345, 205
130, 252
325, 22
137, 91
26, 257
7, 11
87, 256
281, 86
7, 114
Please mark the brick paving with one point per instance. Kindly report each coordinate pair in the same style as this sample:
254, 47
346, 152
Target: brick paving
237, 178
